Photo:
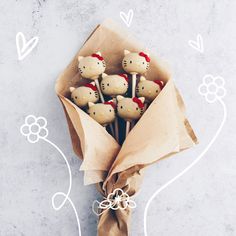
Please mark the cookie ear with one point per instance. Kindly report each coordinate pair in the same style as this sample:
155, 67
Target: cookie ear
90, 104
80, 58
93, 83
126, 52
99, 53
104, 75
142, 99
72, 89
119, 98
142, 78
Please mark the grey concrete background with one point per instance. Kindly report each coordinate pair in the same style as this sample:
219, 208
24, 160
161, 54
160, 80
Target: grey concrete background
202, 202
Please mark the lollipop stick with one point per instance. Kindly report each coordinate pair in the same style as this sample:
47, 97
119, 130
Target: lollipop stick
127, 128
116, 130
112, 130
116, 124
99, 90
133, 84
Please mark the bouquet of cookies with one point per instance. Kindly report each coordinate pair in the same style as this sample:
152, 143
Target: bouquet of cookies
124, 113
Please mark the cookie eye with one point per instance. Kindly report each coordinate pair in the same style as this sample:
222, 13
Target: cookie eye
94, 112
98, 63
90, 93
142, 87
76, 97
108, 84
124, 84
143, 62
84, 67
121, 107
110, 110
130, 62
156, 91
136, 108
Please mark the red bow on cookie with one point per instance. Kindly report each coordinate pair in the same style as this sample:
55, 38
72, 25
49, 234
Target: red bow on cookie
160, 83
93, 87
111, 103
147, 58
100, 58
124, 76
139, 102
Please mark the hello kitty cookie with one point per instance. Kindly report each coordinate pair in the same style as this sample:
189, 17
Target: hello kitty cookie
82, 95
103, 113
113, 85
135, 62
92, 66
149, 89
130, 108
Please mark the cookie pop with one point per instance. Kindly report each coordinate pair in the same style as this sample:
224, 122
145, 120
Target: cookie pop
103, 113
130, 109
113, 85
135, 63
91, 67
149, 89
82, 95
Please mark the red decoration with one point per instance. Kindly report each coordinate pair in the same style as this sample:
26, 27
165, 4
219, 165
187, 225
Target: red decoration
100, 58
93, 87
160, 83
147, 58
111, 103
124, 76
139, 102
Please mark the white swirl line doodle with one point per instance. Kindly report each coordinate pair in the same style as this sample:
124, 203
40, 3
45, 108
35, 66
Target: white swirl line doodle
197, 45
118, 199
35, 129
23, 47
127, 18
218, 97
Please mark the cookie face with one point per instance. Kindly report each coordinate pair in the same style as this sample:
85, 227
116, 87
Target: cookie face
103, 113
81, 96
134, 62
113, 85
148, 89
130, 108
92, 66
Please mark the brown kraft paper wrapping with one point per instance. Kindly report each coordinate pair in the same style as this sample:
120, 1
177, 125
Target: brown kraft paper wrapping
162, 131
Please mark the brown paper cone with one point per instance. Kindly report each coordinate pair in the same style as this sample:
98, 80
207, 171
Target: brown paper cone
162, 131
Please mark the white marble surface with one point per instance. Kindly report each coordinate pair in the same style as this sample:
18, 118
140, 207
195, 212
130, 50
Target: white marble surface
202, 202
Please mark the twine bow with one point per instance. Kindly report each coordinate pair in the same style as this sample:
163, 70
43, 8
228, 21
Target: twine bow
118, 199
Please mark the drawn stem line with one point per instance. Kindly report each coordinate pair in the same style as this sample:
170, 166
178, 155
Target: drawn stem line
66, 196
187, 168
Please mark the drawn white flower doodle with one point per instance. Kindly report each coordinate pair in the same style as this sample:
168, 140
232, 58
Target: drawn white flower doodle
118, 199
35, 129
212, 88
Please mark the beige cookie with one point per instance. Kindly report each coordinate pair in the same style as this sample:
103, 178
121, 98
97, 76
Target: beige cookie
148, 89
130, 108
113, 85
92, 66
103, 113
82, 95
135, 62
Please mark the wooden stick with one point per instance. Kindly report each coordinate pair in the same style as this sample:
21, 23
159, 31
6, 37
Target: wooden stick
116, 124
112, 130
99, 90
117, 130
